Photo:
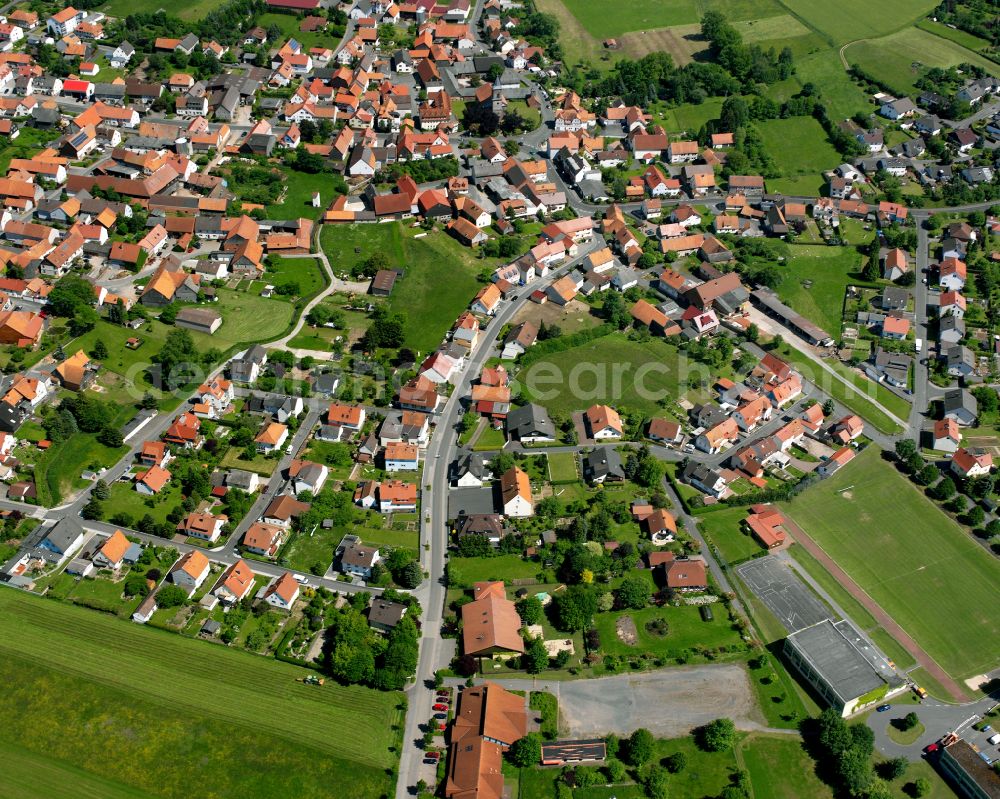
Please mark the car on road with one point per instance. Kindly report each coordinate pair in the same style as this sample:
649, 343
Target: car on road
439, 706
883, 708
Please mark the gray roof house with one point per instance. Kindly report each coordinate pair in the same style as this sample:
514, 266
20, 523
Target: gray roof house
961, 406
530, 423
603, 464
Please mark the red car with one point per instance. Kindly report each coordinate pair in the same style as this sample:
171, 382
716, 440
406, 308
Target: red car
440, 707
432, 755
444, 693
930, 748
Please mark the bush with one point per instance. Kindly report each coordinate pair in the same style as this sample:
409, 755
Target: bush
717, 736
676, 763
171, 596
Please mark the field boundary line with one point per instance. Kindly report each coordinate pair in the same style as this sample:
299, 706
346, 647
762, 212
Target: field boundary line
885, 620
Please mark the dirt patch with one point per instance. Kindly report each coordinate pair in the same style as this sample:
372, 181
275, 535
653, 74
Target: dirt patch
625, 628
683, 42
847, 495
573, 316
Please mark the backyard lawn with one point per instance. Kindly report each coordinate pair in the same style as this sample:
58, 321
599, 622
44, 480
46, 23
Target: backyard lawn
306, 272
923, 570
563, 467
81, 684
724, 529
686, 632
440, 280
466, 571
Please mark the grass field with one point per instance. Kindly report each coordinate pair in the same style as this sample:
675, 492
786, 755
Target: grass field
185, 9
899, 59
724, 529
686, 631
830, 270
920, 568
607, 370
502, 567
960, 37
780, 768
800, 148
849, 20
145, 710
307, 272
440, 281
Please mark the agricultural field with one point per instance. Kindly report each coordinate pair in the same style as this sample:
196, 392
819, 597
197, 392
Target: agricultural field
80, 684
899, 59
923, 570
606, 370
801, 151
850, 20
441, 275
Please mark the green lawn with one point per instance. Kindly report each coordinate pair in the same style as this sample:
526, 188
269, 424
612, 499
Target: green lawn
841, 94
466, 571
299, 188
899, 60
307, 272
960, 37
848, 20
690, 116
261, 464
440, 281
686, 632
563, 467
288, 24
780, 768
937, 583
724, 529
614, 370
185, 9
125, 499
800, 148
706, 773
490, 439
830, 270
140, 711
28, 142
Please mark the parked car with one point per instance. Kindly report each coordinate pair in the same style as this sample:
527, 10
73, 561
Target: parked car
930, 748
433, 755
440, 707
883, 708
443, 692
430, 761
440, 715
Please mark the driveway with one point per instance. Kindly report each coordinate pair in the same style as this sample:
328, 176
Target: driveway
669, 702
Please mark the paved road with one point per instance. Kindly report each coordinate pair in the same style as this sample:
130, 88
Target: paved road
938, 719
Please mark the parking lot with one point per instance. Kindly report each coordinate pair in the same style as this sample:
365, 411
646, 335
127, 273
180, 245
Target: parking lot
669, 703
784, 593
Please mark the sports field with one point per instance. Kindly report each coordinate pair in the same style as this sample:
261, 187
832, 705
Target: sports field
899, 59
924, 571
102, 707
